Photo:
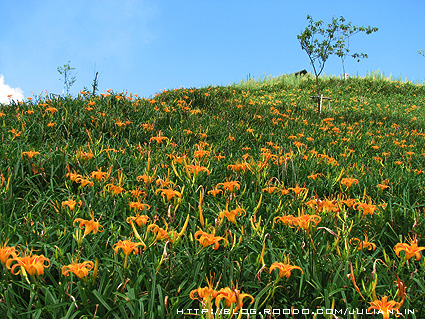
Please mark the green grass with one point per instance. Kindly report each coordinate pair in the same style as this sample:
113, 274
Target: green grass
374, 134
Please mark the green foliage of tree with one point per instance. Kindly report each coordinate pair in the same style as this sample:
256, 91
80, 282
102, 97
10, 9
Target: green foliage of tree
343, 41
320, 42
68, 79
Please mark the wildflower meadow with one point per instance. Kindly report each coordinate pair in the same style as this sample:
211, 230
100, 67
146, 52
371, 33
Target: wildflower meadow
236, 201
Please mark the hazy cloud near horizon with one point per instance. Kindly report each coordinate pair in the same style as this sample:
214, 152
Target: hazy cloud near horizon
16, 93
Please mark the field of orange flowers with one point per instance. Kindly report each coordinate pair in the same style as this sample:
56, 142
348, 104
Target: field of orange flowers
215, 202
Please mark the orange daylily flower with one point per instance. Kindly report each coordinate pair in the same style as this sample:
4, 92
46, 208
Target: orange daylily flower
179, 159
138, 206
326, 205
231, 215
99, 175
169, 193
206, 293
367, 208
349, 202
139, 219
163, 182
127, 247
382, 186
304, 221
286, 219
7, 252
230, 186
298, 189
196, 169
219, 157
89, 225
31, 264
15, 133
119, 123
114, 189
362, 244
314, 176
385, 307
284, 268
349, 181
81, 270
161, 233
70, 203
298, 144
137, 192
206, 239
85, 155
410, 250
84, 182
329, 159
267, 155
147, 126
239, 167
201, 153
214, 192
159, 138
232, 296
269, 189
145, 178
30, 154
284, 191
377, 158
73, 176
172, 235
51, 110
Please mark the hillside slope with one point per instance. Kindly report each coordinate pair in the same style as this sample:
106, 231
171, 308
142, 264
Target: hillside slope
227, 180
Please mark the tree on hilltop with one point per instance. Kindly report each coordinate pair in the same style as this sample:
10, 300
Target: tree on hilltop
320, 42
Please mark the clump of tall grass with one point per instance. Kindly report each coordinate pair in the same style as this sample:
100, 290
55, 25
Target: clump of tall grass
294, 81
267, 80
381, 76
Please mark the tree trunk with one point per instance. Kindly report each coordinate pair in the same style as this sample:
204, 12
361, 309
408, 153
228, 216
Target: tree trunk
317, 85
317, 91
317, 82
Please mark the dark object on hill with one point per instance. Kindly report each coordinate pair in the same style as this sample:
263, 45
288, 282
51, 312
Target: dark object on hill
303, 72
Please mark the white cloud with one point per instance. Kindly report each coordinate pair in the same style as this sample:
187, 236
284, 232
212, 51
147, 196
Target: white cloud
16, 93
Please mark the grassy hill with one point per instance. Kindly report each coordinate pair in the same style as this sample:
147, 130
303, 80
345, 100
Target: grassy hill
114, 206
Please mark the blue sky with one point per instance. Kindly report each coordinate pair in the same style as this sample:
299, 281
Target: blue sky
147, 46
